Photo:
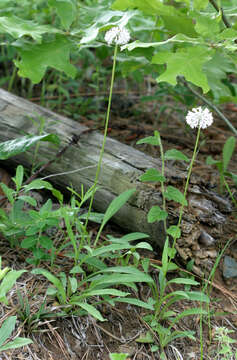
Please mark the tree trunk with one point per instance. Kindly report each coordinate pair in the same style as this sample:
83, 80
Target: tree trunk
122, 165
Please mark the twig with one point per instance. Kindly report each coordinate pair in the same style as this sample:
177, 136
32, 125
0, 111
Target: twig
74, 140
212, 106
224, 18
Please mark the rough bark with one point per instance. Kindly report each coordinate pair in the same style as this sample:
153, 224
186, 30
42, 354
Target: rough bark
121, 168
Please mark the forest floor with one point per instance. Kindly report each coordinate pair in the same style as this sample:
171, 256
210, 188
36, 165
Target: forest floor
82, 338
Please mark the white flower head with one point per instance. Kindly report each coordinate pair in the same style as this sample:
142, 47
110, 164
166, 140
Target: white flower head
199, 117
118, 35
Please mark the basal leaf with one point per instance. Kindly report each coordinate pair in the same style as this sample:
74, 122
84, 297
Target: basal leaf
66, 10
228, 150
187, 62
6, 329
35, 59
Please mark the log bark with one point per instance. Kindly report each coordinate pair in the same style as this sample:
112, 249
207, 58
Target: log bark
121, 169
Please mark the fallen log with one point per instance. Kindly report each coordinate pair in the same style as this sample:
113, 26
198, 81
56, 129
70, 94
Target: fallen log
121, 168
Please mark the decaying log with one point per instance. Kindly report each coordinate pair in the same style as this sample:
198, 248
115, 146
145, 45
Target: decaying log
121, 168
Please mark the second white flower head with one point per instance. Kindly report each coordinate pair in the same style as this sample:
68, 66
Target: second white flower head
199, 117
118, 35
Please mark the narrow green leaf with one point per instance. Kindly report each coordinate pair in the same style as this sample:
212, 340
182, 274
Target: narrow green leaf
9, 280
55, 281
184, 281
116, 204
228, 150
28, 199
16, 343
134, 301
91, 310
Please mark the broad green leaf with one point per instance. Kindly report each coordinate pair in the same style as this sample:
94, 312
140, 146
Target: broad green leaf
227, 151
103, 22
18, 28
66, 10
29, 242
156, 214
187, 62
90, 309
152, 175
14, 147
215, 70
174, 231
174, 154
206, 25
116, 204
198, 296
175, 20
174, 194
35, 59
16, 343
7, 328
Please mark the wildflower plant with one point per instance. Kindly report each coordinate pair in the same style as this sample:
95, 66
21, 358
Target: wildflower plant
197, 118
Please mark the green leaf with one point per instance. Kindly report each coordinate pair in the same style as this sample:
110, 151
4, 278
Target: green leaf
215, 70
35, 59
152, 175
66, 10
227, 151
118, 356
174, 231
28, 199
174, 154
147, 339
174, 194
7, 328
16, 343
152, 140
136, 302
55, 281
29, 242
184, 281
19, 177
8, 281
18, 28
206, 25
14, 147
116, 204
91, 310
178, 65
37, 185
156, 214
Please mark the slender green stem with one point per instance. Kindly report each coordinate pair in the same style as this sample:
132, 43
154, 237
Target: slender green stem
162, 182
104, 139
187, 181
230, 193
